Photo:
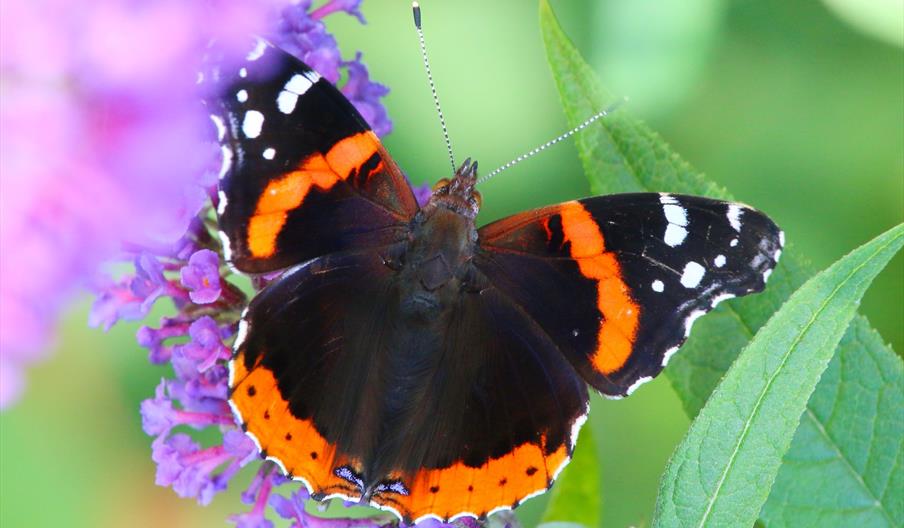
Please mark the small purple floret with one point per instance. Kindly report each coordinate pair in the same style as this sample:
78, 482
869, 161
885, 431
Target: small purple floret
202, 277
205, 347
365, 95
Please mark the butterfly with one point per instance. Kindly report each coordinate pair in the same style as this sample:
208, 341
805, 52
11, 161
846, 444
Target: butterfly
408, 359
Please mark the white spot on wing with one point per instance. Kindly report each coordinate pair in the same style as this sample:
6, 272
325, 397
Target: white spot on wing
243, 73
634, 386
734, 242
221, 127
724, 297
259, 47
689, 322
269, 153
241, 96
257, 443
668, 355
658, 286
295, 87
674, 213
674, 235
226, 163
719, 261
777, 255
299, 84
692, 275
222, 201
576, 427
252, 124
766, 275
675, 232
734, 216
286, 102
227, 249
241, 334
781, 238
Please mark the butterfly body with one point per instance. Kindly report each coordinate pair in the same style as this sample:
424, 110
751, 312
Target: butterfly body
410, 360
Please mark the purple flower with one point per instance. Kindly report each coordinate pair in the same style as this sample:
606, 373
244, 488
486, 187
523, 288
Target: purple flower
352, 7
202, 277
422, 194
103, 141
365, 95
154, 339
292, 507
257, 494
132, 298
206, 346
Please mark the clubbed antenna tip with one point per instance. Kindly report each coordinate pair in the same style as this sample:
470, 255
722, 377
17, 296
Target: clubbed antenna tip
416, 8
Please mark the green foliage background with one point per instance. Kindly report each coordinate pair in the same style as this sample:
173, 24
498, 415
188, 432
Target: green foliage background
784, 104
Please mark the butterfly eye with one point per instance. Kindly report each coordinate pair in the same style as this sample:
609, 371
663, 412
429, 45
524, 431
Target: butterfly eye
440, 184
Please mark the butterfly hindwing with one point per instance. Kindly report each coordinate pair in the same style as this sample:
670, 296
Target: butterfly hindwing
616, 281
465, 413
303, 174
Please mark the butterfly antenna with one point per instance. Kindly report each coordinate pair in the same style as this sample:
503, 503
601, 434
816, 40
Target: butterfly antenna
614, 106
416, 8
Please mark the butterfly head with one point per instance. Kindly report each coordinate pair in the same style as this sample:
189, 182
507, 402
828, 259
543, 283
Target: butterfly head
458, 194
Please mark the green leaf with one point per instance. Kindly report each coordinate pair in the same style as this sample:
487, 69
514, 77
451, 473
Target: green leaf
860, 475
576, 497
844, 465
722, 471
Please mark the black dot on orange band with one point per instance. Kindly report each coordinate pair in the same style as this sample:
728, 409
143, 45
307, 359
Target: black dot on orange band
530, 471
503, 482
266, 415
313, 455
288, 436
251, 391
470, 488
434, 489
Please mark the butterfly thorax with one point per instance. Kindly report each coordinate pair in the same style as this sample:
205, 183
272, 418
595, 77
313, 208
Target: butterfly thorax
457, 194
435, 266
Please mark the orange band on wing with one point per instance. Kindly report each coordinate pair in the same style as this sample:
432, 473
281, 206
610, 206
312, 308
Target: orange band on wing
294, 442
504, 481
352, 152
288, 193
618, 327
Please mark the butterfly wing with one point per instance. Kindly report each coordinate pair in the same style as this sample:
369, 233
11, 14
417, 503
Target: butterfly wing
461, 414
616, 281
303, 174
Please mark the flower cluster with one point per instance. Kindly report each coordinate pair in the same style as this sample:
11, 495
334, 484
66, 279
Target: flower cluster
191, 274
103, 141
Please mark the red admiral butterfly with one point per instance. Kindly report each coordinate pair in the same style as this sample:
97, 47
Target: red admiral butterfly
412, 361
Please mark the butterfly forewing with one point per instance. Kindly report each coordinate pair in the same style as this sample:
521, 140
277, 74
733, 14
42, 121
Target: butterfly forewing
303, 174
616, 281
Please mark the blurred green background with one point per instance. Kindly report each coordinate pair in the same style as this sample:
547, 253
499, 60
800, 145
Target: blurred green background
796, 107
